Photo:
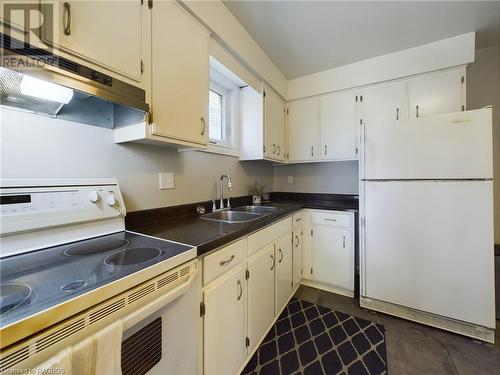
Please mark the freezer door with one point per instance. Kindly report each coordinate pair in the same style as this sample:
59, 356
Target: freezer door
429, 246
451, 146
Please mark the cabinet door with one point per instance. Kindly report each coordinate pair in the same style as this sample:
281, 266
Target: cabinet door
224, 323
107, 33
338, 126
333, 256
260, 293
436, 93
274, 125
384, 103
180, 75
307, 245
297, 257
284, 271
303, 129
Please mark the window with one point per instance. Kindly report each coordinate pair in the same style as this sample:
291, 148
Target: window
216, 117
221, 124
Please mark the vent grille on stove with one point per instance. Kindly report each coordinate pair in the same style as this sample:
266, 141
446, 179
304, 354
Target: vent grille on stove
13, 358
107, 310
43, 341
59, 335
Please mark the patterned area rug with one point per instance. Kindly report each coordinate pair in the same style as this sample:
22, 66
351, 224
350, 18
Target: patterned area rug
311, 339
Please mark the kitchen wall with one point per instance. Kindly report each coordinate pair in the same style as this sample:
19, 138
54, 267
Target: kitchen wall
334, 177
40, 147
483, 88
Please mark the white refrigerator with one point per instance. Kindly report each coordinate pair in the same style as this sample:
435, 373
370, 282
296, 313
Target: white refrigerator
427, 247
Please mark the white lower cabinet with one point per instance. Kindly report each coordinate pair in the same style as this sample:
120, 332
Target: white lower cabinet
330, 253
224, 325
297, 256
284, 267
261, 268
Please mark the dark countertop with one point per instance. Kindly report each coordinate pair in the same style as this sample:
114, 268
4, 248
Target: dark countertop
180, 224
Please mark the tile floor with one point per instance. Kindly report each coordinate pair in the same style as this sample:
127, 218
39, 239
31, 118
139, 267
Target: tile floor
417, 349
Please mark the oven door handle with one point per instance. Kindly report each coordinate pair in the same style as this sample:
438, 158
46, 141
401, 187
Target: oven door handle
148, 309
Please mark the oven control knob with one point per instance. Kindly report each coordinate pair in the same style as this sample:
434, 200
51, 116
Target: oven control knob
94, 196
111, 199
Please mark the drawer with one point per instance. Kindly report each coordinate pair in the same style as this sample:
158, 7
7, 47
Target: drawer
221, 261
260, 239
297, 219
336, 218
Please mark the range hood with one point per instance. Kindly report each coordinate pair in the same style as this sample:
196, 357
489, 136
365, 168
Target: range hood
65, 89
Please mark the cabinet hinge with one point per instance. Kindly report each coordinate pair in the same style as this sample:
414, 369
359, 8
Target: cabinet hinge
150, 117
142, 66
311, 271
150, 4
463, 108
311, 232
356, 98
264, 148
356, 150
287, 111
360, 121
361, 98
264, 93
247, 274
462, 79
247, 342
202, 309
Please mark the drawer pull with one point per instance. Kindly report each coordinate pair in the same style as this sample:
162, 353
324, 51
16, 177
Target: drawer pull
67, 16
281, 253
343, 242
330, 219
297, 237
274, 262
240, 290
224, 262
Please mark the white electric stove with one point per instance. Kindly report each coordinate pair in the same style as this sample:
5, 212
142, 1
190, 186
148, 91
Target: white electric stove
68, 267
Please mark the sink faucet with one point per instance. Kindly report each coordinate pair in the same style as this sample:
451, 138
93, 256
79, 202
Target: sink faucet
229, 186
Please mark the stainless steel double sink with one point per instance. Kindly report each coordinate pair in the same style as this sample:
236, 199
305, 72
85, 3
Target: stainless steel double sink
240, 214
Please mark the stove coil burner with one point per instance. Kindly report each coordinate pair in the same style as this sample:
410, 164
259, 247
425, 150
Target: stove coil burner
74, 285
12, 296
96, 246
131, 257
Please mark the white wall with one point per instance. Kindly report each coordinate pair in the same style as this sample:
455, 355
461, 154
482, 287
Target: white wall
442, 54
483, 88
227, 30
333, 177
40, 147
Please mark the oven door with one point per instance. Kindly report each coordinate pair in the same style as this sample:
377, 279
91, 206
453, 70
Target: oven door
165, 340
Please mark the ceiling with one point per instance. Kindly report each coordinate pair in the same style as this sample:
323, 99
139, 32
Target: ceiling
304, 37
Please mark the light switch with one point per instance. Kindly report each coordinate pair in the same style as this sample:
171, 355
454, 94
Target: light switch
167, 180
290, 179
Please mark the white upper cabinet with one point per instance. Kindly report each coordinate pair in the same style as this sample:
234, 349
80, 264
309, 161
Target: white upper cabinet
437, 93
274, 125
384, 103
180, 77
339, 121
262, 125
303, 129
106, 34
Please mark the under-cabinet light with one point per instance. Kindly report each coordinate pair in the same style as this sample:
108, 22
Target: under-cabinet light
45, 90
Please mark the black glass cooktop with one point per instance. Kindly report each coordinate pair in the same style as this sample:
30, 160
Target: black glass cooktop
38, 280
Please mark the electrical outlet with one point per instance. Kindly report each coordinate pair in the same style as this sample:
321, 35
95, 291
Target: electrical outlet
290, 179
167, 180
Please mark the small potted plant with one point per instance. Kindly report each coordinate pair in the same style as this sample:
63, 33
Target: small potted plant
256, 190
